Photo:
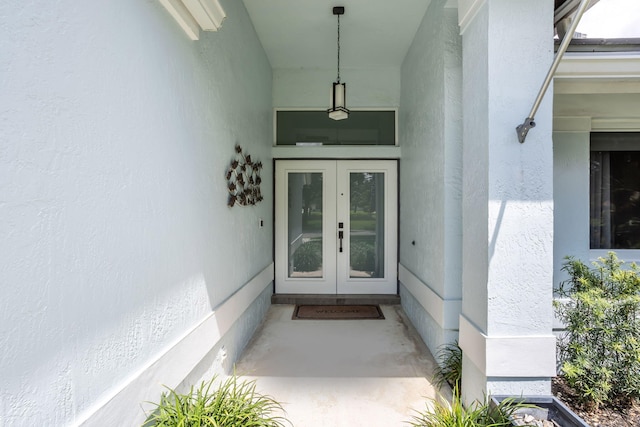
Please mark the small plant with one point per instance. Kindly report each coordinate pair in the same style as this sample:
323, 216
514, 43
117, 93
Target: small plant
449, 369
233, 403
308, 256
441, 413
600, 353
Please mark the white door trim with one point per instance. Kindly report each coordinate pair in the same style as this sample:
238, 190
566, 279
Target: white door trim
335, 208
327, 283
389, 283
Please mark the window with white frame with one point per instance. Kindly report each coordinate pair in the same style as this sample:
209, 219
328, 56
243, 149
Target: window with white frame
316, 128
615, 190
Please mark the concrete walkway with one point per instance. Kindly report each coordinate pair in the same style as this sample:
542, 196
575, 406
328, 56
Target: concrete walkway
337, 373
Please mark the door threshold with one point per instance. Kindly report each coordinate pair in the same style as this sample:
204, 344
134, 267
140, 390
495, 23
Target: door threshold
341, 299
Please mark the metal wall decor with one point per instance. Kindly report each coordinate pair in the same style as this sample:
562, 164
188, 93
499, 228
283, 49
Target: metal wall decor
243, 180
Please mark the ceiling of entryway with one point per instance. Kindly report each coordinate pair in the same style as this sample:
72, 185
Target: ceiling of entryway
374, 33
302, 33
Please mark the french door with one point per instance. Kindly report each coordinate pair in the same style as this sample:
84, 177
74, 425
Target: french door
336, 226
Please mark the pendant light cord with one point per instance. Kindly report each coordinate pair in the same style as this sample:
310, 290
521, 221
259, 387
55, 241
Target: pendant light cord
338, 80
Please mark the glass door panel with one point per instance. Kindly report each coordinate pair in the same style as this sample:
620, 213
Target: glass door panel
366, 224
367, 208
305, 227
304, 223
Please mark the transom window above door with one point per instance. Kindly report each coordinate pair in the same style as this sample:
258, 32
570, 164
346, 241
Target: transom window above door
314, 128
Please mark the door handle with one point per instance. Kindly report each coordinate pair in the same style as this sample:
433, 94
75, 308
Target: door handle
340, 237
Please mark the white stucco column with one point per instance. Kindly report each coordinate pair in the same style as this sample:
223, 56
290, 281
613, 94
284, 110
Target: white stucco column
506, 321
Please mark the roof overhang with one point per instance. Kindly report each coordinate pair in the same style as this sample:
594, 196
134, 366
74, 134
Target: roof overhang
597, 91
600, 65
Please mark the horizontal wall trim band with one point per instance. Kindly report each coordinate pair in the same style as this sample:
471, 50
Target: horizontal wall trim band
516, 356
180, 358
571, 124
596, 124
615, 124
595, 86
445, 312
337, 152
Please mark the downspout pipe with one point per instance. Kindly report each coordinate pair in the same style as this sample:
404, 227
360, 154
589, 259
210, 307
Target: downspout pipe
530, 122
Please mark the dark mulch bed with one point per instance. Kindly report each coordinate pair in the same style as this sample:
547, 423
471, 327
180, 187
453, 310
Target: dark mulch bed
628, 416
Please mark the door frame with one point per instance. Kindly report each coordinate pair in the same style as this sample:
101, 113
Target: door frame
335, 278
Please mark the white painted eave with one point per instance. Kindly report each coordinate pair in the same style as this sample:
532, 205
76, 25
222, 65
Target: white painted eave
194, 15
600, 65
467, 11
208, 13
183, 17
585, 82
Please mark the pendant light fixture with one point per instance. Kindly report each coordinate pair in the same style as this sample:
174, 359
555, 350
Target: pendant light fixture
338, 102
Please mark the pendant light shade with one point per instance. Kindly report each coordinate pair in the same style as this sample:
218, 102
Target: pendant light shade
338, 110
338, 102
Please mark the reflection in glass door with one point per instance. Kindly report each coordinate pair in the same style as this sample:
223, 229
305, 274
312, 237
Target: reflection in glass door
366, 224
305, 224
336, 227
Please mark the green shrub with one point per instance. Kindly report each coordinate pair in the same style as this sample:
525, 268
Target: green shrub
233, 403
363, 257
308, 256
449, 369
600, 353
441, 413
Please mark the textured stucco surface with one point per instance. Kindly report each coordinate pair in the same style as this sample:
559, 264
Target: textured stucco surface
475, 164
222, 357
507, 186
521, 255
431, 140
571, 192
433, 334
116, 133
507, 224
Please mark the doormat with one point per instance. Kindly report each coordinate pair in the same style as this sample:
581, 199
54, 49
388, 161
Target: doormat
337, 312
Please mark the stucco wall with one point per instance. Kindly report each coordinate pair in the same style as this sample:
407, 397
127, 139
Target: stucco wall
571, 197
475, 164
508, 203
116, 239
431, 141
506, 323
